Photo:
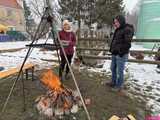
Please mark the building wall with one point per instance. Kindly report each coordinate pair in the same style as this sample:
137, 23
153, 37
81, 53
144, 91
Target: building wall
12, 17
149, 20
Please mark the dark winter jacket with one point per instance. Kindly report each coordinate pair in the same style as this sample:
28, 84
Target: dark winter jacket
122, 37
71, 38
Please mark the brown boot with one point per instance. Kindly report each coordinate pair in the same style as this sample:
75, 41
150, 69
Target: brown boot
110, 84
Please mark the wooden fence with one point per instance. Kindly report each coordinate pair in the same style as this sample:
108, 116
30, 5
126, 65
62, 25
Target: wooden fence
89, 46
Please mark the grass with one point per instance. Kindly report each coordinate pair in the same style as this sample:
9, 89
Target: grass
104, 102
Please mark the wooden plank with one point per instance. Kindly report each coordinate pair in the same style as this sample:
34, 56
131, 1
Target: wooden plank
14, 70
130, 60
145, 51
11, 50
100, 49
92, 49
106, 39
144, 61
50, 60
92, 39
146, 40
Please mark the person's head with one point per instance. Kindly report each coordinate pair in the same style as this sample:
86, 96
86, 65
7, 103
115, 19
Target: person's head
66, 25
119, 21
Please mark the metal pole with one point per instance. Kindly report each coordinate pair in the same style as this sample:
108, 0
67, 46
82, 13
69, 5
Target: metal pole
23, 91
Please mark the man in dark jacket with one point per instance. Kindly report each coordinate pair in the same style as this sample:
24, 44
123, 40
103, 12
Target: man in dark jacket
120, 46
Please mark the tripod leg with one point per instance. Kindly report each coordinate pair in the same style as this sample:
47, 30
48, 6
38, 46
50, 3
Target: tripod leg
23, 91
32, 73
57, 47
26, 74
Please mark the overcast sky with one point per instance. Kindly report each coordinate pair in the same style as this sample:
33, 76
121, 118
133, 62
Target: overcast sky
129, 4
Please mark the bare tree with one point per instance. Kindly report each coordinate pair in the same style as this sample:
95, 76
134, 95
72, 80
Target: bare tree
37, 7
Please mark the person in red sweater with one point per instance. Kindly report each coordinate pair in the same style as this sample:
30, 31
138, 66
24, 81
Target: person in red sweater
68, 37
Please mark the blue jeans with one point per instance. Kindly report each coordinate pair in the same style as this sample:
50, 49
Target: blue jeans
117, 69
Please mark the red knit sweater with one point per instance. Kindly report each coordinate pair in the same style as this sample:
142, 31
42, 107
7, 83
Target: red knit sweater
71, 38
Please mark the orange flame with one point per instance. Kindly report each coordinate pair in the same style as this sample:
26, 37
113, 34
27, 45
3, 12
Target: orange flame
65, 106
51, 80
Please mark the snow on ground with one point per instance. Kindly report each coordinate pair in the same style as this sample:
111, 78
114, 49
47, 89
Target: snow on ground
13, 45
138, 47
14, 59
19, 44
145, 77
144, 81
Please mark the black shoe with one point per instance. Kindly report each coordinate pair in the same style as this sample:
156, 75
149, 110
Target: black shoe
110, 84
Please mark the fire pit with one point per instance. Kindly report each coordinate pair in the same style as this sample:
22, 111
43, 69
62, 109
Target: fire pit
59, 100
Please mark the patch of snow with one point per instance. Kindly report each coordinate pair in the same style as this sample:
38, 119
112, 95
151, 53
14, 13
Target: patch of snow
14, 59
13, 45
20, 44
143, 80
138, 47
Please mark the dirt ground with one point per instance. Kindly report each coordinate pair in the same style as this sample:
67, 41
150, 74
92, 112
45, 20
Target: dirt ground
104, 101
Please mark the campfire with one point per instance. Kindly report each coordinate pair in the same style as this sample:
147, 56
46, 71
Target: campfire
59, 100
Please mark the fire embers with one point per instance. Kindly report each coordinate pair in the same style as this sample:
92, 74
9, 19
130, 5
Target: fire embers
59, 100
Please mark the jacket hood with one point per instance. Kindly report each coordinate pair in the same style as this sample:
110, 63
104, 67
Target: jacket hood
121, 20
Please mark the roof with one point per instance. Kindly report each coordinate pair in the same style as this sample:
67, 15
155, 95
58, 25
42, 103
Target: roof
10, 3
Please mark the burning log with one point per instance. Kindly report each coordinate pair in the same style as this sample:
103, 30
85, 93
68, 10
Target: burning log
59, 100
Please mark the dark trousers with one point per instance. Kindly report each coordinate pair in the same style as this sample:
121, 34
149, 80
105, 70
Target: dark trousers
64, 63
